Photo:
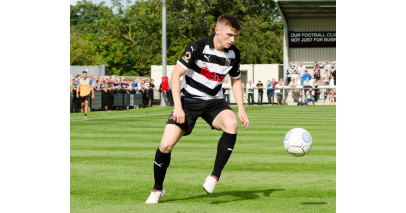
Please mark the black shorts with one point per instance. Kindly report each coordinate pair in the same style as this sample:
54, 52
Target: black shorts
151, 95
194, 109
84, 98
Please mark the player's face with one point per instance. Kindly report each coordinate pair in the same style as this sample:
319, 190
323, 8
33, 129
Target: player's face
226, 35
84, 75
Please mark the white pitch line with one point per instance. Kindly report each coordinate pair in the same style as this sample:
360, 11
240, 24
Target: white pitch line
89, 119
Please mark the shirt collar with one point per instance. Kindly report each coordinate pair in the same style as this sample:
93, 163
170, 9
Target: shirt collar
211, 43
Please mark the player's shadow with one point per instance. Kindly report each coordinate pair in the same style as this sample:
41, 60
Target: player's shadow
237, 195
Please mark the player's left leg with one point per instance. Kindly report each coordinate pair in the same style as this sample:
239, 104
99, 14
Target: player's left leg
86, 106
227, 122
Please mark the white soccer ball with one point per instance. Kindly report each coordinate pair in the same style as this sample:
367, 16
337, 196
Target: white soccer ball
298, 142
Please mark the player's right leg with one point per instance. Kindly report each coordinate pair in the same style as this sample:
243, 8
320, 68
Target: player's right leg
82, 105
171, 136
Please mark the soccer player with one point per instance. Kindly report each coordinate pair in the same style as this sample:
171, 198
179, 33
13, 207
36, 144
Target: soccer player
203, 65
85, 86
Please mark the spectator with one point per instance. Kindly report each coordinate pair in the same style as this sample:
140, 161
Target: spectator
333, 75
293, 83
151, 92
281, 79
316, 75
326, 81
269, 91
141, 86
147, 83
309, 96
316, 67
332, 80
226, 91
332, 97
305, 76
307, 83
244, 93
278, 91
260, 88
290, 72
134, 87
294, 65
301, 70
129, 87
295, 94
103, 86
316, 91
73, 86
297, 78
170, 98
250, 87
327, 69
96, 85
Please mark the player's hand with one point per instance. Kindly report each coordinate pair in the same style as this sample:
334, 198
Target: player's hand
242, 115
77, 96
178, 115
92, 96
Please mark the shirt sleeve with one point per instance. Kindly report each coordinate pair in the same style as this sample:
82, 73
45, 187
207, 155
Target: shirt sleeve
91, 82
235, 71
78, 82
189, 56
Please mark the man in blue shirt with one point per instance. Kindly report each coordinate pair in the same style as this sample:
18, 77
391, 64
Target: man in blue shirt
306, 75
269, 91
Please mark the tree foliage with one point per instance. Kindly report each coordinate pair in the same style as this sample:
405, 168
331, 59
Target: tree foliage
128, 38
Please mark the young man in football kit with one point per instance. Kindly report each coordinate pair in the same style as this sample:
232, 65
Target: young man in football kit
204, 65
85, 88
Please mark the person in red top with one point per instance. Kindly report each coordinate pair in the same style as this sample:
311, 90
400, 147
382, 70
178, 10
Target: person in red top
274, 82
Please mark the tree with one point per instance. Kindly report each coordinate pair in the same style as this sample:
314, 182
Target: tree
128, 38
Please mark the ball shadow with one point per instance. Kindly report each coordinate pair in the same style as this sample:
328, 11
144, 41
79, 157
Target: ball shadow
314, 203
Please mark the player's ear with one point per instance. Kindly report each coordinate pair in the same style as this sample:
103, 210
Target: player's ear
217, 30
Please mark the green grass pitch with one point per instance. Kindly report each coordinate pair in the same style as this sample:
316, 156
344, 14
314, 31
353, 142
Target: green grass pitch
111, 163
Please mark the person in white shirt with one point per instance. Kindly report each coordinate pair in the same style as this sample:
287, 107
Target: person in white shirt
301, 70
294, 65
327, 69
250, 87
290, 72
226, 88
297, 77
278, 91
307, 82
309, 96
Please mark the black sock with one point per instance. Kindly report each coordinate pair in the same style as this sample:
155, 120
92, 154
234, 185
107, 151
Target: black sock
161, 163
224, 149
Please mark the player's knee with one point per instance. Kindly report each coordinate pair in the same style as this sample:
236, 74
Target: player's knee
165, 148
231, 127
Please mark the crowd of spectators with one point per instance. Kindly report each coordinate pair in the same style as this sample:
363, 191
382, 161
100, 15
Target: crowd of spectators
324, 75
109, 85
297, 75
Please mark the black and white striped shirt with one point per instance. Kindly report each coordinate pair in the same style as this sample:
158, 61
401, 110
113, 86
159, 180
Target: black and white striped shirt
206, 69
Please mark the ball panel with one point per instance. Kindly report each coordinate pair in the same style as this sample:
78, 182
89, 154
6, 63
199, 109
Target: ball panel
288, 134
306, 137
296, 151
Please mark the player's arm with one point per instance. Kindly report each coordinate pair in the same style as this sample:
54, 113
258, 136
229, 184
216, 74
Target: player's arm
77, 89
178, 113
237, 91
91, 87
